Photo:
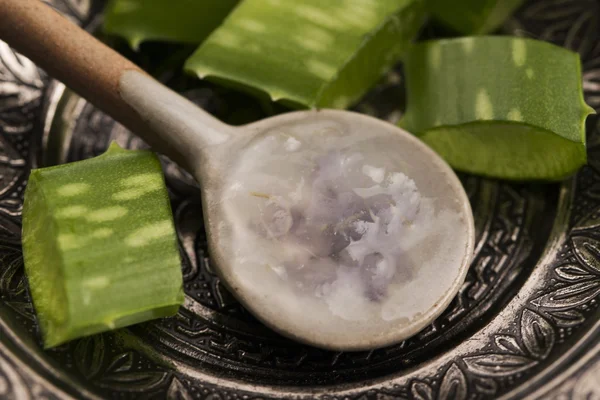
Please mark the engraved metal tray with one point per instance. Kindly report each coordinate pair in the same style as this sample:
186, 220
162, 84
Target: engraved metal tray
525, 323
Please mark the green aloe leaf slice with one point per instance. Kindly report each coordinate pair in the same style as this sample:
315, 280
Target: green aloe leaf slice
499, 106
473, 17
309, 53
186, 21
99, 245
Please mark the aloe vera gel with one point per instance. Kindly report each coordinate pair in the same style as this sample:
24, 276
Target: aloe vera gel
339, 219
99, 245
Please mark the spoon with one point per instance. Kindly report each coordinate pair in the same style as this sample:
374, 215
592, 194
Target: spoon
333, 228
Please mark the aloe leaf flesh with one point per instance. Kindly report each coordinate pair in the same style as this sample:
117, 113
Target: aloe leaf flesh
499, 106
473, 17
99, 245
309, 53
184, 21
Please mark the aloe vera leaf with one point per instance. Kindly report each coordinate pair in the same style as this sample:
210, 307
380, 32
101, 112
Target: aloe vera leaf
504, 107
473, 17
99, 245
186, 21
309, 53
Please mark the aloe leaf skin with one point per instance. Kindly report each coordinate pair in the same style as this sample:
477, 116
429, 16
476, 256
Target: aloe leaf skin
99, 245
503, 107
184, 21
309, 53
473, 17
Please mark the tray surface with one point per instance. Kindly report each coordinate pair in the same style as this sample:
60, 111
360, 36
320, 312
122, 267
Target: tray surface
526, 321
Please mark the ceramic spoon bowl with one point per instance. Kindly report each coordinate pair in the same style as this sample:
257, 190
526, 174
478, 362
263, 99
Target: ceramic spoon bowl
333, 228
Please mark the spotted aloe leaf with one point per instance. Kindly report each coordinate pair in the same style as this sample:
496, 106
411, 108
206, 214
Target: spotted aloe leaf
187, 21
504, 107
99, 245
473, 16
309, 53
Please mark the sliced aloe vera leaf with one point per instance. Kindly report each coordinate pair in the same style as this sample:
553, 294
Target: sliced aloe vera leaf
186, 21
473, 17
309, 53
504, 107
99, 245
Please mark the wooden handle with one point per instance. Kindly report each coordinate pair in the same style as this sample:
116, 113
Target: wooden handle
76, 58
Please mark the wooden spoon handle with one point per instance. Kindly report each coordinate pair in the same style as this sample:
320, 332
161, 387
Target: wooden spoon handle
83, 63
67, 53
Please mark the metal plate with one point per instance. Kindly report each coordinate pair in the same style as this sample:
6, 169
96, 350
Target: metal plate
525, 323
